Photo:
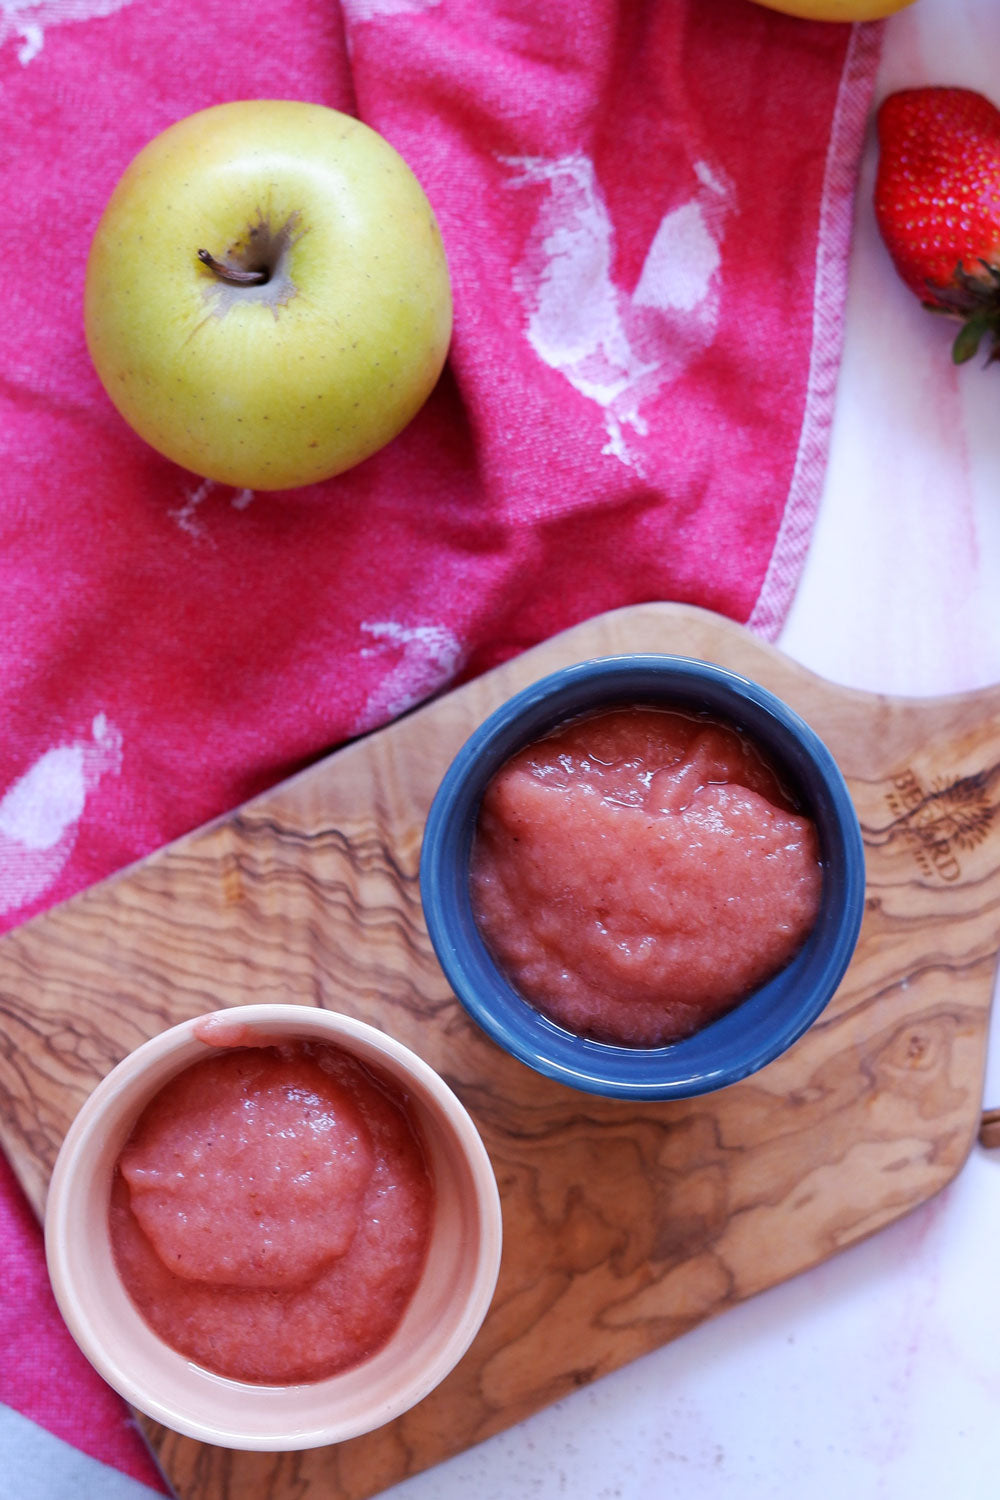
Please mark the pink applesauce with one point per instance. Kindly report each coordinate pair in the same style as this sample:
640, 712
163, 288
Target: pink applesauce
638, 872
271, 1211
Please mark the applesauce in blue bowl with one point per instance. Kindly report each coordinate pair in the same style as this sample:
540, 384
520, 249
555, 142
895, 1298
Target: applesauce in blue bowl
636, 949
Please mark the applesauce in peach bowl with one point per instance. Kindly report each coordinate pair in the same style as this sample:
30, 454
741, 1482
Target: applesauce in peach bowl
273, 1227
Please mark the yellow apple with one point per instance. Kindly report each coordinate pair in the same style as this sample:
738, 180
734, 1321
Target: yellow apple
837, 10
267, 297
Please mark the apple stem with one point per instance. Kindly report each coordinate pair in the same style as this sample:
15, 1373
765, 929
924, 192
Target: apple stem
234, 275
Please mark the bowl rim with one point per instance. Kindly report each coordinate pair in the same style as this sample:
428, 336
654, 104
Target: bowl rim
681, 1069
120, 1096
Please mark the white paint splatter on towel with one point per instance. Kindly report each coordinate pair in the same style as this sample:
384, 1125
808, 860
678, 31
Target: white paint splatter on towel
424, 659
28, 20
40, 813
614, 348
187, 513
370, 10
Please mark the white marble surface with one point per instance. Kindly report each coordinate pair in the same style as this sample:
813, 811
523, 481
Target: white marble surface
877, 1375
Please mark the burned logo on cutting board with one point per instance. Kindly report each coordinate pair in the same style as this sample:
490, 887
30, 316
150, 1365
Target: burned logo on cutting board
942, 820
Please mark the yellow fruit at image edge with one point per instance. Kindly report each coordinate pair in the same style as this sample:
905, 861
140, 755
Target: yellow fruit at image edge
836, 10
267, 299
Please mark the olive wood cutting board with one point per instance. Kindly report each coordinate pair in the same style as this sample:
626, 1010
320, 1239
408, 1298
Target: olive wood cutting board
625, 1224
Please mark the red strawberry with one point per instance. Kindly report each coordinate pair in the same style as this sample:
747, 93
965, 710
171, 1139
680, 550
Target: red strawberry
937, 204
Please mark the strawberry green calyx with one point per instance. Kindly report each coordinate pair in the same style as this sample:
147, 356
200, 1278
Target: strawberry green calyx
974, 298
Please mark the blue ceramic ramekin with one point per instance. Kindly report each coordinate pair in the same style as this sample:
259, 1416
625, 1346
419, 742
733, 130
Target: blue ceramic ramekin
762, 1026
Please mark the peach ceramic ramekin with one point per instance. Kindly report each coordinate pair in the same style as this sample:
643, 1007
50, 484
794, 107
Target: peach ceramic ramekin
442, 1319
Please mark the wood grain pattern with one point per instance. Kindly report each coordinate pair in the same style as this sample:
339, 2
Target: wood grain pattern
625, 1224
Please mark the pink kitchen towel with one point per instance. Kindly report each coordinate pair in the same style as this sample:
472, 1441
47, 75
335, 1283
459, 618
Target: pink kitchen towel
647, 212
